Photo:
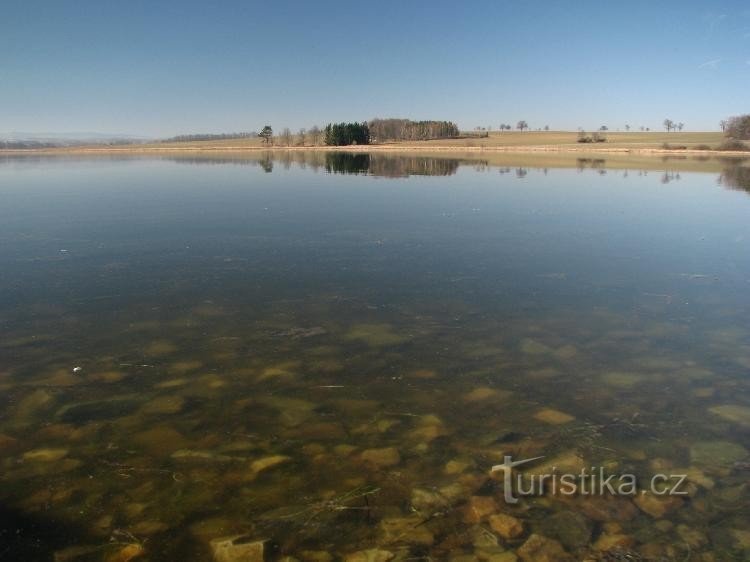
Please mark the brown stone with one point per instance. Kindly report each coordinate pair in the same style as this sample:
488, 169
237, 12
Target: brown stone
607, 542
603, 508
371, 555
538, 548
657, 506
408, 530
507, 526
238, 549
126, 553
381, 458
479, 507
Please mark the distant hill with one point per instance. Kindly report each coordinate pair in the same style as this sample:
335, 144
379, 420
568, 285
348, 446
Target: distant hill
20, 139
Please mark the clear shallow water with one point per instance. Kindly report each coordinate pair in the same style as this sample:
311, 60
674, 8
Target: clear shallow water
331, 354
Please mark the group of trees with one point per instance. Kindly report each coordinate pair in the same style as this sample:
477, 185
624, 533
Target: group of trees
344, 134
737, 128
405, 129
670, 125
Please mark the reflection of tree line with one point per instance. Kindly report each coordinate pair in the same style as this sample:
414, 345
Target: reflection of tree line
389, 165
736, 175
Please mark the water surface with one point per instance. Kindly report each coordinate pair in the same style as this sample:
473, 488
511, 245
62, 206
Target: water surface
330, 352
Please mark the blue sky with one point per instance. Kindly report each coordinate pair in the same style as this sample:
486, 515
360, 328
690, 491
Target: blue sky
162, 67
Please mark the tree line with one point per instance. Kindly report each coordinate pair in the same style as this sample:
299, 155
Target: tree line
210, 137
405, 129
345, 134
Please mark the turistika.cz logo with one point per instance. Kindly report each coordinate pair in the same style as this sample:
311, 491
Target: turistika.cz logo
593, 481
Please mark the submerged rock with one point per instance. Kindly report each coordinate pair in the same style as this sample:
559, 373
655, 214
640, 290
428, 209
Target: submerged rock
479, 507
554, 417
258, 466
126, 554
408, 530
111, 408
572, 529
733, 413
484, 393
33, 403
371, 555
428, 501
381, 458
539, 548
45, 455
507, 526
607, 542
620, 379
164, 405
717, 453
376, 335
657, 506
238, 548
532, 347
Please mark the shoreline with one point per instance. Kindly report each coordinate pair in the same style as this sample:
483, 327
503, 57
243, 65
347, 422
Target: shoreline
521, 149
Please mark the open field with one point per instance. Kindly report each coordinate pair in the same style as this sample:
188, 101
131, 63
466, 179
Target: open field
569, 139
508, 139
563, 140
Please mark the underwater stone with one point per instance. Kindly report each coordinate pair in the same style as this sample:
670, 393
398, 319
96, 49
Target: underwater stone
533, 347
507, 526
479, 507
238, 549
554, 417
164, 405
376, 335
607, 542
456, 466
33, 403
717, 453
408, 530
265, 463
566, 352
45, 455
572, 529
732, 413
741, 538
693, 537
620, 379
428, 500
371, 555
381, 458
148, 527
483, 393
7, 442
657, 506
126, 553
538, 548
506, 556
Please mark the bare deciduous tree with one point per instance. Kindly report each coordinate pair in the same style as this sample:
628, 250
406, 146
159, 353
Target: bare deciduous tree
521, 125
286, 136
314, 134
301, 137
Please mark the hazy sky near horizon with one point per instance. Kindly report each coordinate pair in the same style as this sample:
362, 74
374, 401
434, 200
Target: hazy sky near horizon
169, 67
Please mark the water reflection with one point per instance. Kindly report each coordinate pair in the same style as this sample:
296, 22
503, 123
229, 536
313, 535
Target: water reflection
736, 175
345, 163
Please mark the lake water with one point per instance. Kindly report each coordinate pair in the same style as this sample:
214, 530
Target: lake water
330, 352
